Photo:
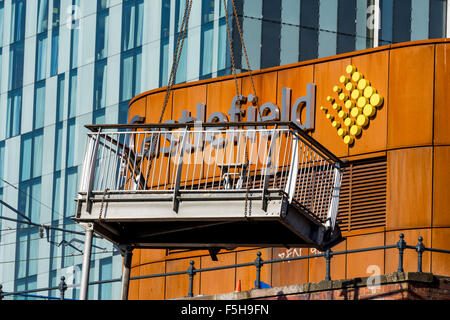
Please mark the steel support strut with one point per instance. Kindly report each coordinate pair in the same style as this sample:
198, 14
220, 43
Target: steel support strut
127, 255
86, 262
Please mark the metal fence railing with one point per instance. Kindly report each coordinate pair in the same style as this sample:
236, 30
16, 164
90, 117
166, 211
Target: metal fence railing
258, 263
213, 157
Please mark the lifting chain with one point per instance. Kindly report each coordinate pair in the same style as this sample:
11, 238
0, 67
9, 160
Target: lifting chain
248, 203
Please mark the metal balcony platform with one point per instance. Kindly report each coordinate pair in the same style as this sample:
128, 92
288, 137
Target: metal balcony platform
190, 187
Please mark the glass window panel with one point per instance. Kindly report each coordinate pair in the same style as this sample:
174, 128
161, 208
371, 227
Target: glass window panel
272, 10
53, 281
18, 20
14, 113
26, 153
346, 26
402, 21
100, 85
60, 98
137, 71
386, 22
140, 22
165, 19
364, 36
270, 39
39, 105
206, 45
102, 4
309, 21
70, 192
419, 19
127, 77
123, 113
288, 44
56, 12
74, 48
99, 116
56, 201
72, 93
128, 25
37, 153
41, 56
70, 145
438, 18
2, 12
223, 48
42, 18
2, 158
181, 70
164, 63
207, 11
105, 274
101, 45
290, 12
21, 254
55, 50
179, 13
16, 56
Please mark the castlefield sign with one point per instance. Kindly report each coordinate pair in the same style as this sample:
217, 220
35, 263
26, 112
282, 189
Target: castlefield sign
353, 103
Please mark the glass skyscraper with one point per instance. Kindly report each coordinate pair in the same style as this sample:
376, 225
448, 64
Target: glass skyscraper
68, 63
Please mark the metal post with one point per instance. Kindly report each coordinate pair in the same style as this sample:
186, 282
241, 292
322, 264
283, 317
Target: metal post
191, 272
258, 265
420, 248
327, 255
127, 256
401, 245
86, 262
62, 287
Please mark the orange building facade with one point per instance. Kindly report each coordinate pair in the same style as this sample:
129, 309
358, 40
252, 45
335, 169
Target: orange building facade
398, 180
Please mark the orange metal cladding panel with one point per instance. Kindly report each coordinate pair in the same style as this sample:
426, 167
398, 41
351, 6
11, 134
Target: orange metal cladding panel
247, 275
219, 97
138, 108
375, 68
365, 264
289, 272
178, 286
187, 99
441, 187
220, 281
133, 289
151, 255
158, 172
440, 264
409, 255
326, 76
265, 86
297, 80
411, 82
442, 95
317, 266
409, 188
152, 288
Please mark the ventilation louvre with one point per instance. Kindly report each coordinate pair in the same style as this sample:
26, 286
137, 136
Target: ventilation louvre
362, 202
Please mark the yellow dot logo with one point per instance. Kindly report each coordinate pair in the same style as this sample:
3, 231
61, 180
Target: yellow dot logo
361, 102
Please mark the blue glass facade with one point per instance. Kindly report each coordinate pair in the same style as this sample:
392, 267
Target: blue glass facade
67, 63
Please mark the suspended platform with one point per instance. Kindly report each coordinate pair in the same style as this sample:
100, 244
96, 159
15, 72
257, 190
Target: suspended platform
210, 186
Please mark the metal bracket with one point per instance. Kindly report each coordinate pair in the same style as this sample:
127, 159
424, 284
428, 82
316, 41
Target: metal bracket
176, 191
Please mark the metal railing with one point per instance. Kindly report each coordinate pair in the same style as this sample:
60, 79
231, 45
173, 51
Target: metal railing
205, 157
258, 263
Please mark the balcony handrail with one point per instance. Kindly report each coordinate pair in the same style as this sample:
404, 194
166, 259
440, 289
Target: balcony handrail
290, 124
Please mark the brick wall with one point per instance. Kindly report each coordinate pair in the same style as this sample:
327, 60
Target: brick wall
396, 286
